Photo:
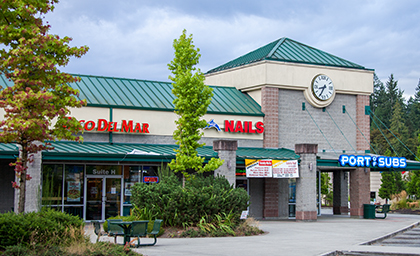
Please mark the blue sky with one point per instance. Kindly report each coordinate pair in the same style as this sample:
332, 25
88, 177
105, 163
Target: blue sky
133, 38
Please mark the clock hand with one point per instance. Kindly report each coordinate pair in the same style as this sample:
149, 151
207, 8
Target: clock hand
323, 88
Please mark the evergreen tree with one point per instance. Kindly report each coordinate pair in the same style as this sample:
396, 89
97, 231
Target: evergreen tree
383, 102
379, 94
413, 183
392, 184
400, 133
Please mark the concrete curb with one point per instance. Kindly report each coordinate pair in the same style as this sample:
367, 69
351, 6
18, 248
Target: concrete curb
380, 239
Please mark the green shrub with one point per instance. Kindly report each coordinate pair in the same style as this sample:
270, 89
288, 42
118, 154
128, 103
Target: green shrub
47, 227
200, 197
82, 249
193, 233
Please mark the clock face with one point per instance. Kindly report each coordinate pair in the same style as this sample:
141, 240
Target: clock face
322, 87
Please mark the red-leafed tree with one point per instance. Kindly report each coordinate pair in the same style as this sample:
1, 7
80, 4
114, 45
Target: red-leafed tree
37, 104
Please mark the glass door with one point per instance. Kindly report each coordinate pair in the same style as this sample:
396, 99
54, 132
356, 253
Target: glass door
112, 202
103, 197
94, 200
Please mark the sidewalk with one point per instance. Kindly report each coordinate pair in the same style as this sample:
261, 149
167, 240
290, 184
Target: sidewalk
328, 234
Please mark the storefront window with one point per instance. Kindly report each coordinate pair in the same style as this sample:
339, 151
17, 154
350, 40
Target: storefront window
52, 183
73, 190
292, 197
150, 174
131, 176
73, 193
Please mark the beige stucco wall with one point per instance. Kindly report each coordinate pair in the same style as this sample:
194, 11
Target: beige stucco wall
292, 76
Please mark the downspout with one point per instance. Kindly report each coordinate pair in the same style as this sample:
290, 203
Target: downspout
110, 120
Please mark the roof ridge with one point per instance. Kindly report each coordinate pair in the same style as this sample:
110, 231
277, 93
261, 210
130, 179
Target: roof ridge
280, 42
123, 78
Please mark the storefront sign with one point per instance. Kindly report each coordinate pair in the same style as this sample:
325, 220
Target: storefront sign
373, 161
259, 168
243, 126
106, 126
103, 125
73, 191
285, 169
237, 126
103, 169
150, 179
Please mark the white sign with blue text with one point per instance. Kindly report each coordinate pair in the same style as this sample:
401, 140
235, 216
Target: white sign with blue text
373, 161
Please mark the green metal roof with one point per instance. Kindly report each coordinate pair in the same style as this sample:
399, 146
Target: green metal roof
101, 91
152, 95
288, 50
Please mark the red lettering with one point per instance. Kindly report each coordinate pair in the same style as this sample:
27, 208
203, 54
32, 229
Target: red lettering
110, 126
260, 127
228, 126
238, 127
246, 127
138, 128
81, 123
250, 128
104, 123
265, 163
127, 127
90, 125
146, 128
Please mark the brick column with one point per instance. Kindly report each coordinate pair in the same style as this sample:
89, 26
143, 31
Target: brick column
270, 107
306, 209
275, 202
360, 178
226, 150
271, 198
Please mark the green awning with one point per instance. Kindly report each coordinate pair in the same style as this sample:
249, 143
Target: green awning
123, 152
8, 151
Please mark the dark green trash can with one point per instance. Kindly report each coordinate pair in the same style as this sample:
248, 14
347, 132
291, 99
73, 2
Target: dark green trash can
369, 211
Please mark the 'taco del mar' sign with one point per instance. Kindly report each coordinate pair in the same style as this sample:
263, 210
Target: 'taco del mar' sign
103, 125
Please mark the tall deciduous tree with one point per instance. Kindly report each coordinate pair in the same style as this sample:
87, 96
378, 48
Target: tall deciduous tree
192, 98
37, 104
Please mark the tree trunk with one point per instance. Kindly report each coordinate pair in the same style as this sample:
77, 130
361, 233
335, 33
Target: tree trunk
22, 181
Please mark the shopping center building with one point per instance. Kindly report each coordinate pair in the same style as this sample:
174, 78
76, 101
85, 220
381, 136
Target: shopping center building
284, 103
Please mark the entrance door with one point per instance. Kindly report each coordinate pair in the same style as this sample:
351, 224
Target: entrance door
103, 197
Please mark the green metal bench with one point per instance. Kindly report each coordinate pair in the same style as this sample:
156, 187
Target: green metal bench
382, 209
139, 229
115, 230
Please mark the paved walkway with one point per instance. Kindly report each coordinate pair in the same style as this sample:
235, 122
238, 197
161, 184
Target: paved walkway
329, 233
